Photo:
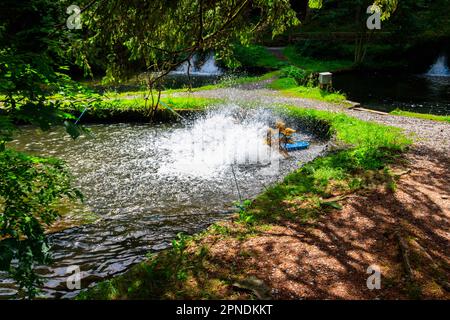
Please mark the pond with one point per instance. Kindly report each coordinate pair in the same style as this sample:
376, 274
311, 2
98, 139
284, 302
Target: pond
145, 183
389, 91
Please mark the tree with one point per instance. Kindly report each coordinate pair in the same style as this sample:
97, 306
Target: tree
156, 36
348, 17
160, 35
32, 64
31, 59
35, 46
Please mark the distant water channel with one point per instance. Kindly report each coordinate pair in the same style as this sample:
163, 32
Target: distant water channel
386, 92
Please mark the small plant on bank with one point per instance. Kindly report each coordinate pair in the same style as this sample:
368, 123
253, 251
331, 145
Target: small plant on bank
244, 215
31, 188
301, 76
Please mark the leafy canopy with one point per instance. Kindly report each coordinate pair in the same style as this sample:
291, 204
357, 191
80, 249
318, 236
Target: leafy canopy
161, 34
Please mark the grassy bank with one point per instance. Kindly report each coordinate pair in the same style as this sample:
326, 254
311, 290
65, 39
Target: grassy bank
360, 158
289, 87
315, 65
256, 56
113, 108
425, 116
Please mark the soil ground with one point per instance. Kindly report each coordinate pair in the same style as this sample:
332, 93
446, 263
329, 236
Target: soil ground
328, 259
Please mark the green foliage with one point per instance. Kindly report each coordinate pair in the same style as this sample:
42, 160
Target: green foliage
32, 66
25, 84
161, 35
323, 50
297, 82
178, 249
301, 76
313, 64
315, 4
219, 229
405, 25
288, 87
283, 84
244, 215
30, 190
255, 56
432, 117
29, 186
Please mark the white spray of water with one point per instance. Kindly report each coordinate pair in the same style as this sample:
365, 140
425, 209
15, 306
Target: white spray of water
207, 68
439, 68
222, 138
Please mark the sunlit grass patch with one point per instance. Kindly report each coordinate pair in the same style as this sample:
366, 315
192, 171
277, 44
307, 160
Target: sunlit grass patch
425, 116
283, 84
315, 93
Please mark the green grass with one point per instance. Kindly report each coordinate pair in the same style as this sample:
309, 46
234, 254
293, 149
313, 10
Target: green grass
173, 102
100, 108
256, 56
234, 81
315, 93
189, 271
289, 87
426, 116
357, 133
283, 84
315, 65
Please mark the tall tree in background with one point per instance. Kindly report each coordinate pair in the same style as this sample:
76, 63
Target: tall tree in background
161, 35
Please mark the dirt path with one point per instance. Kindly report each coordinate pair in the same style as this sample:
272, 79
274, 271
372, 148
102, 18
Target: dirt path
328, 259
277, 52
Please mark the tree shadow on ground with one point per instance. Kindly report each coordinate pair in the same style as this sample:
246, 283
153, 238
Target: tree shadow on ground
328, 259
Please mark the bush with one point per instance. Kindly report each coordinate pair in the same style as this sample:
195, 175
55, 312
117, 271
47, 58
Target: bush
30, 190
324, 49
300, 75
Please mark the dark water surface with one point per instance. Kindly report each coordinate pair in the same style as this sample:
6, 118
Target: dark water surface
386, 92
145, 183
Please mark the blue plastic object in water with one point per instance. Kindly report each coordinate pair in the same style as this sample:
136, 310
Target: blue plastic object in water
298, 145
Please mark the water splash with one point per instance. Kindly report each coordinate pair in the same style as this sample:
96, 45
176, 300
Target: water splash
439, 68
133, 181
207, 68
223, 137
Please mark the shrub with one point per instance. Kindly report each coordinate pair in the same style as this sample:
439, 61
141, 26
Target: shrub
30, 190
324, 49
301, 76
